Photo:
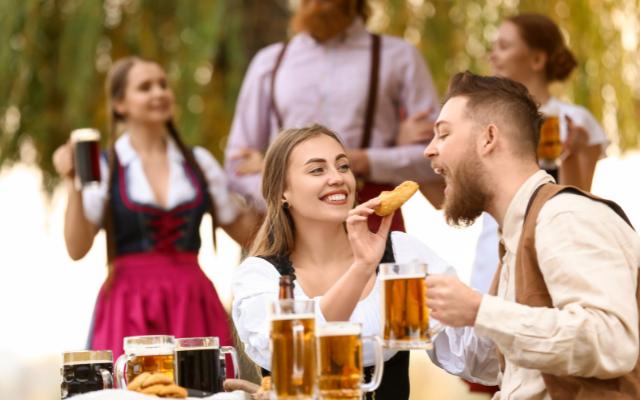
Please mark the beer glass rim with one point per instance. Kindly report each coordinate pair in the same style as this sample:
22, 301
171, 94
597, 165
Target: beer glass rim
339, 328
84, 356
149, 341
195, 343
403, 270
84, 134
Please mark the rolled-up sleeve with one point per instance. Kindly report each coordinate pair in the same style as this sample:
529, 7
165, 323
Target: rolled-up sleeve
590, 266
226, 208
254, 287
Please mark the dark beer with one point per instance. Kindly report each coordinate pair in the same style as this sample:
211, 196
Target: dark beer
86, 371
199, 369
86, 156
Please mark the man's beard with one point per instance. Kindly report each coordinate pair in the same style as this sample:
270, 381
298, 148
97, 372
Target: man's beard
324, 20
468, 194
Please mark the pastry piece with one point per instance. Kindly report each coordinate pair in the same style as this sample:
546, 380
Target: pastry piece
156, 379
136, 384
391, 201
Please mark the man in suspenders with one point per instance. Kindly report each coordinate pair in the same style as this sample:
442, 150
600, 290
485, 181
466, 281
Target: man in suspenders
335, 73
561, 321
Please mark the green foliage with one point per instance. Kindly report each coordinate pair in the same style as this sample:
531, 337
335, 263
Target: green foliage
54, 55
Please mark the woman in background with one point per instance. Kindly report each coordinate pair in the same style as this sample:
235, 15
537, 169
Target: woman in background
153, 195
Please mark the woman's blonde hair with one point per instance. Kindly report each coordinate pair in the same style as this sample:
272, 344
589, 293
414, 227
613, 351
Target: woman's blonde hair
276, 236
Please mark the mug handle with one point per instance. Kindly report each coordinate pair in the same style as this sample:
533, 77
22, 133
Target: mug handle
378, 367
120, 370
234, 358
107, 379
297, 374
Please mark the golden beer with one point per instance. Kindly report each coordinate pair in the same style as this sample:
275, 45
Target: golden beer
162, 363
405, 315
145, 354
549, 146
339, 362
293, 355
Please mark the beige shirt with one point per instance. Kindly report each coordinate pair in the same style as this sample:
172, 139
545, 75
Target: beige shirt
589, 258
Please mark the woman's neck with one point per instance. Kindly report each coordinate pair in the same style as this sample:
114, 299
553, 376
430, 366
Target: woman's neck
146, 138
539, 89
322, 245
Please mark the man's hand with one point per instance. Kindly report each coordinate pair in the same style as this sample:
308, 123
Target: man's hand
359, 162
452, 302
416, 129
249, 161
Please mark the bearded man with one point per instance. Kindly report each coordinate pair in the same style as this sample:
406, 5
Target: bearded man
561, 319
336, 73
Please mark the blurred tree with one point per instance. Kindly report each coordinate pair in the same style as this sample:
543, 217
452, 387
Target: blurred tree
55, 53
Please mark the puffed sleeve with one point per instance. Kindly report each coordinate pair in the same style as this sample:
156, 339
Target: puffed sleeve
95, 196
226, 208
254, 287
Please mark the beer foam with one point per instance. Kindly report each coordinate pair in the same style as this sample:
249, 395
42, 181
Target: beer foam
85, 134
155, 350
396, 277
211, 347
284, 317
80, 362
339, 330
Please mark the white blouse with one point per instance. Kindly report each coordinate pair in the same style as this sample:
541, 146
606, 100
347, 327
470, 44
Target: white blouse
256, 282
180, 187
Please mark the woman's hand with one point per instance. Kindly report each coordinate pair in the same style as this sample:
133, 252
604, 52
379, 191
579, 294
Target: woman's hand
63, 160
368, 247
249, 161
577, 138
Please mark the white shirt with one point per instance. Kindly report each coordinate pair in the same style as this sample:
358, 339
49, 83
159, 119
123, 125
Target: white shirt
180, 187
255, 286
486, 260
589, 259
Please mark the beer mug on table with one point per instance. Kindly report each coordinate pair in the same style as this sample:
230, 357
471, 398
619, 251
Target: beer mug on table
145, 354
198, 365
86, 153
405, 315
86, 371
340, 361
293, 348
549, 145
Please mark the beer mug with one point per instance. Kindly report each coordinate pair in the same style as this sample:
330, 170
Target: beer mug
549, 146
198, 363
340, 361
86, 371
293, 349
86, 153
145, 354
405, 315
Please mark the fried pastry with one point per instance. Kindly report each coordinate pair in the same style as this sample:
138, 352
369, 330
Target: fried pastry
392, 200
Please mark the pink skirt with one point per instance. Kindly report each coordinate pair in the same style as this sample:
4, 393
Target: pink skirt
158, 294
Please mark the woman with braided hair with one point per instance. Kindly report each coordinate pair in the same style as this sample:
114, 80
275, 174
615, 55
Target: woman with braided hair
153, 195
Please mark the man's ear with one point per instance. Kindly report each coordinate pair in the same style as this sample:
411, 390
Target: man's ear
488, 139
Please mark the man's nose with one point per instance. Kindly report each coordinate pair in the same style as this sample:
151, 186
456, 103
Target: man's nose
430, 150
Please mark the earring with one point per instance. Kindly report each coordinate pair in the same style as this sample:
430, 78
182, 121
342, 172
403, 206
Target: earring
285, 205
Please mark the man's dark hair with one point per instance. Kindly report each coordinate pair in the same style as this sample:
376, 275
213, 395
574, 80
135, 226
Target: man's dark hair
491, 96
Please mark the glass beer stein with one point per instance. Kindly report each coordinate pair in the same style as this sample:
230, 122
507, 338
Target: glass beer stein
86, 153
198, 365
550, 145
86, 371
340, 361
293, 349
145, 354
405, 315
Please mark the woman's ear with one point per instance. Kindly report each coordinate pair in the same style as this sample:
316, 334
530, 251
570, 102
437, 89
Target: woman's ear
539, 60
